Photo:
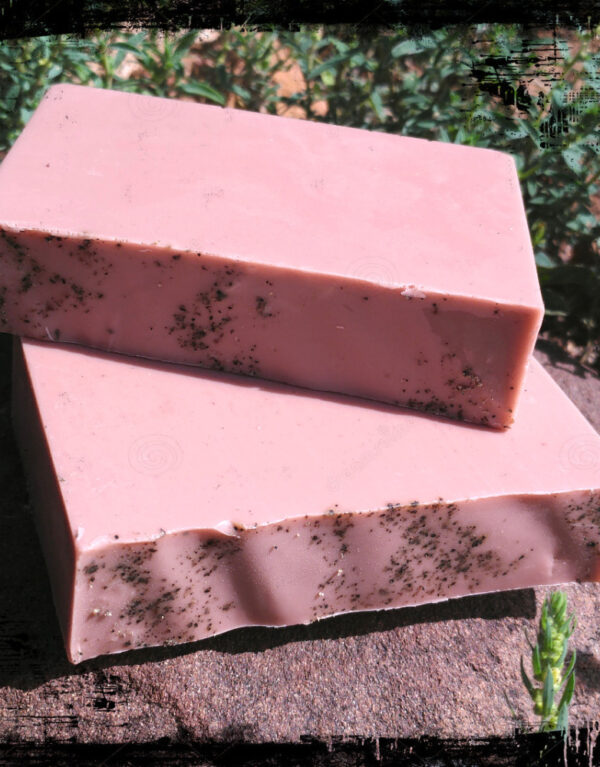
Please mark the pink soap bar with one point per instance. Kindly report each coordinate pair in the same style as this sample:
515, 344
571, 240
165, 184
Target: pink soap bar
338, 259
174, 504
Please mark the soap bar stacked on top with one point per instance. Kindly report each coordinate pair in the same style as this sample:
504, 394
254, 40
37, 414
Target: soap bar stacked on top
174, 503
391, 268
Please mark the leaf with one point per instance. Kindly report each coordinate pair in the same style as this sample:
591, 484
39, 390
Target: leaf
547, 636
567, 696
118, 59
460, 136
78, 54
544, 615
204, 91
518, 129
184, 43
242, 93
563, 655
543, 260
528, 640
25, 114
536, 663
139, 37
562, 722
340, 46
558, 96
548, 693
82, 72
13, 92
377, 105
574, 157
305, 43
330, 63
407, 48
123, 45
54, 71
328, 78
7, 65
586, 221
571, 665
558, 604
532, 131
527, 681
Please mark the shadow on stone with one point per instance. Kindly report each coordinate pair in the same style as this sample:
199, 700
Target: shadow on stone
31, 646
515, 604
587, 669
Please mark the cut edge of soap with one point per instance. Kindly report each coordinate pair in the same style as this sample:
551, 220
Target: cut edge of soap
590, 572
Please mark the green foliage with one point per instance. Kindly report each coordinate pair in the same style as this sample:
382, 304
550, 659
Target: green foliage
547, 662
237, 66
27, 67
243, 66
464, 85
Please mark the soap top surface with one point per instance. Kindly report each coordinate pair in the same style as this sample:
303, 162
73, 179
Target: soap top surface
142, 448
259, 188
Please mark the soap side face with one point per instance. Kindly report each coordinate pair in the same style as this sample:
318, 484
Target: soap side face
387, 267
195, 584
452, 356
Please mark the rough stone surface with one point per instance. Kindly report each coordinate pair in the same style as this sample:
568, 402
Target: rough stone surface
440, 670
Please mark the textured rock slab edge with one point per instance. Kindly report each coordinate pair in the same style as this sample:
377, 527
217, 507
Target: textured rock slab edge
439, 670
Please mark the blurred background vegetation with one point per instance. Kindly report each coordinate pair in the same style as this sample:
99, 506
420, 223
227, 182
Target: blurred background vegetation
535, 95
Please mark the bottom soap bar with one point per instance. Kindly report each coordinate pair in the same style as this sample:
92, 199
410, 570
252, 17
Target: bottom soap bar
174, 504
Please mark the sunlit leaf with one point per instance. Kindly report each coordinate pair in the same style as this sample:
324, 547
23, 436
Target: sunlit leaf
204, 91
